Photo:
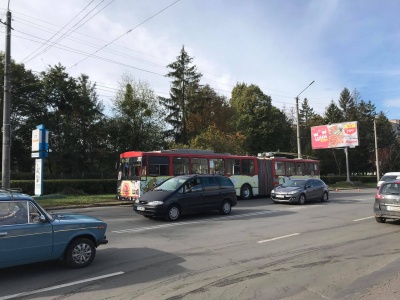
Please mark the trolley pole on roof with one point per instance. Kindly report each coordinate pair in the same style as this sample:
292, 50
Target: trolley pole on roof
5, 180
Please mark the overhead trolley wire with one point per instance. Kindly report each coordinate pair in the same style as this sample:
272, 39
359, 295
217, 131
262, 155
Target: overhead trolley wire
125, 33
55, 34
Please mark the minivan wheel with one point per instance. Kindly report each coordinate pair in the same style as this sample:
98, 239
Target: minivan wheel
246, 192
226, 208
325, 197
80, 253
302, 199
173, 213
380, 220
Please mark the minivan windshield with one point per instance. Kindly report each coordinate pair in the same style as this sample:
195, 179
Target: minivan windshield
170, 184
294, 183
388, 177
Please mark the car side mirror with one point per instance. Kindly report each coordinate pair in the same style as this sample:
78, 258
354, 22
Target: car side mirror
307, 186
42, 219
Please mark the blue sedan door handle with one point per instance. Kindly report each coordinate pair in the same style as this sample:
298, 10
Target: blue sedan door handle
3, 233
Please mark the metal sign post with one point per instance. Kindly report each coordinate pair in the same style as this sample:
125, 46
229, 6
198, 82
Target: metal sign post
40, 150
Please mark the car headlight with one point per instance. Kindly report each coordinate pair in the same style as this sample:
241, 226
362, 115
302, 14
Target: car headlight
155, 203
273, 191
292, 192
137, 201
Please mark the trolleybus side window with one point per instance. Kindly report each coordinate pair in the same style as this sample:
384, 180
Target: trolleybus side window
290, 168
309, 168
181, 165
300, 168
279, 168
232, 166
248, 167
315, 169
158, 166
199, 166
217, 166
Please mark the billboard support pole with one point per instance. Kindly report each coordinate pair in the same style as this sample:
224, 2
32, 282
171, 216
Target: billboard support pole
346, 151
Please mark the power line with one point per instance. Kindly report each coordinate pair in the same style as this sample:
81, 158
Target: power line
57, 32
125, 33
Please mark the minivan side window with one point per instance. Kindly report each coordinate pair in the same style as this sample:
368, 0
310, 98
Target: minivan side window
210, 183
225, 182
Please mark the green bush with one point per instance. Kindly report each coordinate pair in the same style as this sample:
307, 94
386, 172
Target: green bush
31, 176
86, 186
337, 178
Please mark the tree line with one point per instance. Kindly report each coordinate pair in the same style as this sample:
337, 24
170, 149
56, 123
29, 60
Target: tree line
84, 139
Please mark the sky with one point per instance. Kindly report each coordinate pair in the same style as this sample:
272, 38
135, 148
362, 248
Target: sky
279, 45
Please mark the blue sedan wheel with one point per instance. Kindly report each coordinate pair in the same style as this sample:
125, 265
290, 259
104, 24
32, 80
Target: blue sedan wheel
80, 253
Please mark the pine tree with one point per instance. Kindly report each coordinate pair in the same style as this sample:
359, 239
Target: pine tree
306, 112
184, 86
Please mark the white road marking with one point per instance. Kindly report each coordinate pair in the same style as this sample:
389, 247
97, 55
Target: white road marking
363, 219
234, 216
278, 238
195, 222
59, 286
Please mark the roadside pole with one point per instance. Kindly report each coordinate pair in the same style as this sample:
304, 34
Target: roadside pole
5, 177
40, 150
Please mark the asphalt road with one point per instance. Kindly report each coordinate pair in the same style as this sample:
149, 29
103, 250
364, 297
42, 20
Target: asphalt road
333, 250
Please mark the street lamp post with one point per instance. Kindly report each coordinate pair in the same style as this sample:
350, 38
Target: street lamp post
376, 147
376, 153
297, 120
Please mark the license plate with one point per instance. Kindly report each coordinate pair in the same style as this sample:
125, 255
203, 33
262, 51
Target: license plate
141, 208
393, 208
280, 196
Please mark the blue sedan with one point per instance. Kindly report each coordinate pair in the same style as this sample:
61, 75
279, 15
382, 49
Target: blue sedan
29, 234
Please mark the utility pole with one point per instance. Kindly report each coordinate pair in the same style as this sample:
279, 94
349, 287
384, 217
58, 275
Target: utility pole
297, 120
5, 180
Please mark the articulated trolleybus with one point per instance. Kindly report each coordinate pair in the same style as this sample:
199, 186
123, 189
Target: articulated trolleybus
139, 172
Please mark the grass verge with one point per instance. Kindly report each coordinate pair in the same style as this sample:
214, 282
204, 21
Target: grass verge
59, 201
63, 201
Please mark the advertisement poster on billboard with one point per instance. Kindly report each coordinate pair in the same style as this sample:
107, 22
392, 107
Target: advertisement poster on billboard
336, 135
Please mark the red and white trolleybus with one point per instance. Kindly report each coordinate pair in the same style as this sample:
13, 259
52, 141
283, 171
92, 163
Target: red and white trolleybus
139, 172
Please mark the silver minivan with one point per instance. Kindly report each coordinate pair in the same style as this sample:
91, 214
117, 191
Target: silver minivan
387, 177
387, 201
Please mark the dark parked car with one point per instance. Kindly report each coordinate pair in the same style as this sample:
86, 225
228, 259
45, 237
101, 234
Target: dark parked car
300, 190
387, 201
188, 194
29, 234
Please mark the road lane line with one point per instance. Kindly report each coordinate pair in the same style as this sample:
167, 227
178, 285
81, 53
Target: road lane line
60, 286
232, 216
278, 238
363, 219
195, 222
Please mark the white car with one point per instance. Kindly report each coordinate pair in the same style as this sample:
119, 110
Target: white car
387, 177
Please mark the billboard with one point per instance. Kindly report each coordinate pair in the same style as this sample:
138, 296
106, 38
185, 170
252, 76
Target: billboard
334, 135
